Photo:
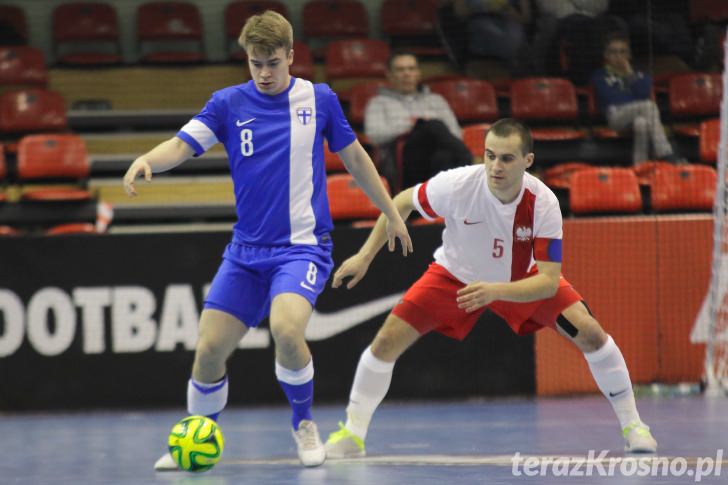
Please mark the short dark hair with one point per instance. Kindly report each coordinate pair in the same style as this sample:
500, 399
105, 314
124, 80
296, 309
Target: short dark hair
399, 53
506, 127
614, 36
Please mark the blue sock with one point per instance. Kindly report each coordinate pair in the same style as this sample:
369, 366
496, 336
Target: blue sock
298, 387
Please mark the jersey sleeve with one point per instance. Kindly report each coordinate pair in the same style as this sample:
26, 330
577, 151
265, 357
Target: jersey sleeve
338, 132
433, 198
201, 132
548, 233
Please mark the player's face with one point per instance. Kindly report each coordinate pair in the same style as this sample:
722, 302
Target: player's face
617, 53
404, 74
270, 72
505, 164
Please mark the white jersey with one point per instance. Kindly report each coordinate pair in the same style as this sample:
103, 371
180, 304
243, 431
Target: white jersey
485, 239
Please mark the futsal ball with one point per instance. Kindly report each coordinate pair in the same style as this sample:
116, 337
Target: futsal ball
196, 443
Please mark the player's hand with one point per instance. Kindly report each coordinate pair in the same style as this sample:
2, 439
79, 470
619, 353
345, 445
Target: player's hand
140, 166
355, 267
396, 229
476, 295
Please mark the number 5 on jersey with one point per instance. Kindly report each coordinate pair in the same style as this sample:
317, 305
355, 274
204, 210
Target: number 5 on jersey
246, 142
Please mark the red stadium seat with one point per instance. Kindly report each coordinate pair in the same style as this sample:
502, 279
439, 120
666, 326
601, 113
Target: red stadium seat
335, 19
60, 156
170, 32
695, 94
22, 65
302, 66
238, 12
3, 167
72, 228
11, 15
356, 58
408, 17
347, 201
709, 140
29, 110
559, 176
332, 161
3, 172
600, 190
685, 187
545, 99
359, 97
708, 11
472, 100
412, 23
86, 34
645, 171
474, 138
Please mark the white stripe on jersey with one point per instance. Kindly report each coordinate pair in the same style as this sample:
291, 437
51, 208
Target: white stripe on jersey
303, 220
201, 133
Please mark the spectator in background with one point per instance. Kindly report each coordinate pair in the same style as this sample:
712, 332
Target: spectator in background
406, 109
625, 97
495, 29
574, 28
657, 28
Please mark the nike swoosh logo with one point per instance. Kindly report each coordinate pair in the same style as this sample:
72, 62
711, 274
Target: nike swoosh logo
239, 123
296, 401
304, 285
615, 394
471, 223
324, 325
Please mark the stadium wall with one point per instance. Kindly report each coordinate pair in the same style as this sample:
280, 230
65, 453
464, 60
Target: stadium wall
105, 321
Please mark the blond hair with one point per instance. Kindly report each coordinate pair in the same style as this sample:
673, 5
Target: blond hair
266, 32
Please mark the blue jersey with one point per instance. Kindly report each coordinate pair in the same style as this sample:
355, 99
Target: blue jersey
275, 149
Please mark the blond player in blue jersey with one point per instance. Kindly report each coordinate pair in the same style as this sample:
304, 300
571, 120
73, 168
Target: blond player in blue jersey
273, 129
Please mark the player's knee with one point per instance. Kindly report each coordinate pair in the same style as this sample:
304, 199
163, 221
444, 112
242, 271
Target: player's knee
286, 336
208, 351
591, 335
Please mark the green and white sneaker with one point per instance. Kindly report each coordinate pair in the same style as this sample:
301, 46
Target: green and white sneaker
344, 444
638, 439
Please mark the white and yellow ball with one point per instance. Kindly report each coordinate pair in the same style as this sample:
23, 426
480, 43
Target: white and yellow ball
196, 443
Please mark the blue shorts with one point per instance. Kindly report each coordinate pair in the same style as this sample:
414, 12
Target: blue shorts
251, 276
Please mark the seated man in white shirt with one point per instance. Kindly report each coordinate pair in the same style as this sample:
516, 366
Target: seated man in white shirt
432, 136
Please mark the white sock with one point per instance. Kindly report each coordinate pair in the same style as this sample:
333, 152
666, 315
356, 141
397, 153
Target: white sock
611, 375
207, 399
371, 384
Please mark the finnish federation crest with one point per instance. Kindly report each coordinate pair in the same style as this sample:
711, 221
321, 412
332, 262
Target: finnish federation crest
304, 115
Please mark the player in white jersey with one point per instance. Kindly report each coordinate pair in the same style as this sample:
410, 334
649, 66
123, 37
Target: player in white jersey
501, 250
273, 128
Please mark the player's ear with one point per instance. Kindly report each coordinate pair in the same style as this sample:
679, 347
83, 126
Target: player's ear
529, 159
290, 56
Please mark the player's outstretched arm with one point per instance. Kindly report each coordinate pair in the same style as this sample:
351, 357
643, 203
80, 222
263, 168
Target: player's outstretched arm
356, 266
161, 158
359, 165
